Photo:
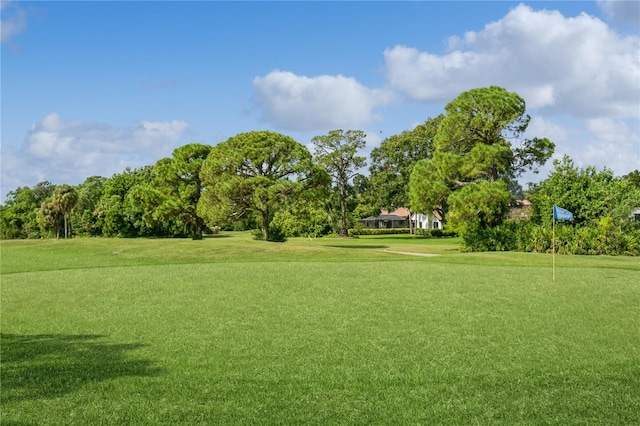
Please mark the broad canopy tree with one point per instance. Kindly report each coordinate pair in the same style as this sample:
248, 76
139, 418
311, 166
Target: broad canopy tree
337, 152
176, 189
479, 146
255, 173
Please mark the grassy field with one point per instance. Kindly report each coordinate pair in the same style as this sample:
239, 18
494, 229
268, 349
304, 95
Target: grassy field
234, 331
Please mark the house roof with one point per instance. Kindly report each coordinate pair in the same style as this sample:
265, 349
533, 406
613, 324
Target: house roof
400, 211
404, 213
521, 203
385, 217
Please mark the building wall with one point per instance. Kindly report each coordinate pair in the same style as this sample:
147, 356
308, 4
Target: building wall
425, 221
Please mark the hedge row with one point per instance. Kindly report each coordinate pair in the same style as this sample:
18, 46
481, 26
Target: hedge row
354, 232
602, 238
435, 233
429, 233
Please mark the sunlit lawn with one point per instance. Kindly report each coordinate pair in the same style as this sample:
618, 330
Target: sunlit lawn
234, 331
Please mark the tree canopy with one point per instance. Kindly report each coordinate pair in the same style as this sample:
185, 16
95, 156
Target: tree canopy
176, 189
588, 193
63, 200
337, 152
254, 173
478, 142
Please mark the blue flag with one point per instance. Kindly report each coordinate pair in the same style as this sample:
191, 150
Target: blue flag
561, 214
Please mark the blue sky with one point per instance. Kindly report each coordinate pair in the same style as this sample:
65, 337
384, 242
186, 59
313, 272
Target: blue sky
89, 88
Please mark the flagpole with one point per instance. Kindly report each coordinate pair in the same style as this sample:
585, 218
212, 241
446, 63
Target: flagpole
553, 248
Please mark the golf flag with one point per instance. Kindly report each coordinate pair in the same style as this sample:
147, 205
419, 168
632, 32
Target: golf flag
561, 214
558, 214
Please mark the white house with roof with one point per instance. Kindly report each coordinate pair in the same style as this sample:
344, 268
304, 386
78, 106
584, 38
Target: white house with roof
399, 218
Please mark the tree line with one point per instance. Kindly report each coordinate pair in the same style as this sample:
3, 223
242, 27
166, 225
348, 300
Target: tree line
463, 164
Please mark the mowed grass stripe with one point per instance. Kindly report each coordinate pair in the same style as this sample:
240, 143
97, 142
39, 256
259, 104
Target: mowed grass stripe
411, 341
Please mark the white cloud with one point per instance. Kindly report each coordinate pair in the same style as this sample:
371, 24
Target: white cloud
598, 142
150, 132
14, 20
577, 65
621, 12
613, 143
544, 128
64, 151
292, 102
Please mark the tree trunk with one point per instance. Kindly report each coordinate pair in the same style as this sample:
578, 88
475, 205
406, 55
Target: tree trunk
410, 225
66, 232
264, 219
197, 230
343, 209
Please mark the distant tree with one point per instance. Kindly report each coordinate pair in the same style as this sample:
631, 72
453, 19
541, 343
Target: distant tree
49, 217
366, 197
254, 173
83, 220
337, 152
473, 146
42, 191
178, 181
18, 216
588, 193
117, 212
304, 216
63, 200
633, 178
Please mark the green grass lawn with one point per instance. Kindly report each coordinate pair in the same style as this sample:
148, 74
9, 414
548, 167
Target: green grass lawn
328, 331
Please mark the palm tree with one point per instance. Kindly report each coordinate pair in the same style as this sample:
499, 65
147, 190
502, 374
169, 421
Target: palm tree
64, 199
49, 217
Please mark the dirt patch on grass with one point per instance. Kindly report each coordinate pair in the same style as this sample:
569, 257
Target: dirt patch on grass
411, 253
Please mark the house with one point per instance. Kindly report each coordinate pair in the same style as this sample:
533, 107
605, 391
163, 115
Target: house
395, 219
399, 218
426, 221
519, 210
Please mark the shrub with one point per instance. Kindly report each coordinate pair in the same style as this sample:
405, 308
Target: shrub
357, 230
276, 234
435, 233
499, 238
601, 238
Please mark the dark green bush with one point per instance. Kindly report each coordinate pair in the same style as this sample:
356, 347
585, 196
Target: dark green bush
435, 233
377, 231
275, 234
499, 238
